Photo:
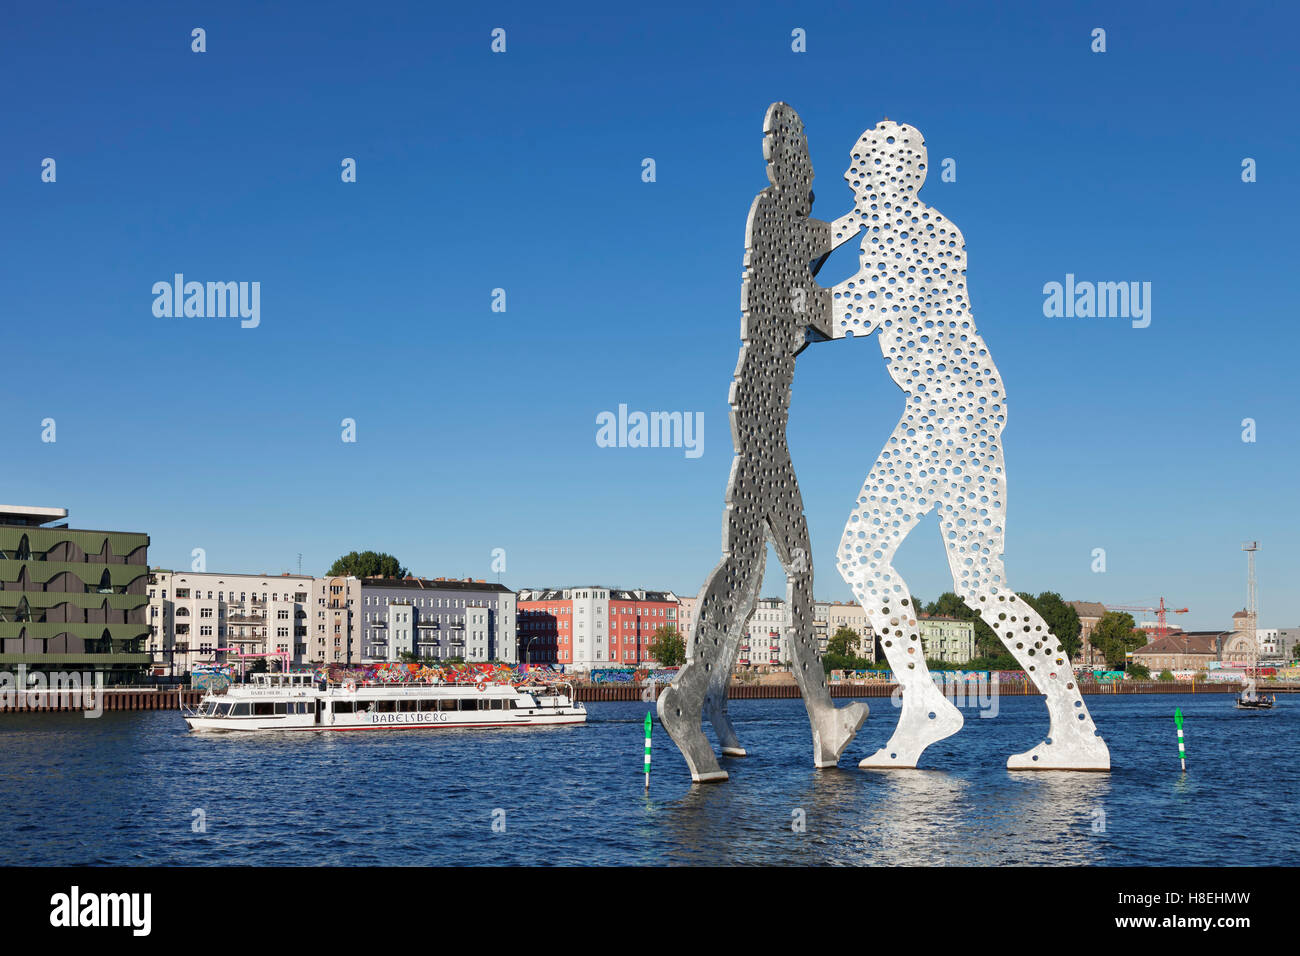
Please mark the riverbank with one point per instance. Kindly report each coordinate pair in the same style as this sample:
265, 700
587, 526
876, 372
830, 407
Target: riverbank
172, 698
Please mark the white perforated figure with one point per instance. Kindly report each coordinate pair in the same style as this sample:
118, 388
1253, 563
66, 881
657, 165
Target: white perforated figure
782, 309
945, 453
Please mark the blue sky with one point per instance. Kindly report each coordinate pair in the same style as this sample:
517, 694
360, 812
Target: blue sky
476, 430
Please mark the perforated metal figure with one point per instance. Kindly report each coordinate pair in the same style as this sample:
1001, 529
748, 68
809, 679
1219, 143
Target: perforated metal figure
945, 453
782, 309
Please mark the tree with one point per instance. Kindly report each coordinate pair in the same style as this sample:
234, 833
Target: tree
844, 643
367, 564
1114, 635
1140, 672
1165, 674
1060, 617
668, 647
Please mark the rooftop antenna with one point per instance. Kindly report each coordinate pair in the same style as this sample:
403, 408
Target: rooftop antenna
300, 562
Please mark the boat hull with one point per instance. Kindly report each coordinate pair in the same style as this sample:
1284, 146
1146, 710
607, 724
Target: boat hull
431, 720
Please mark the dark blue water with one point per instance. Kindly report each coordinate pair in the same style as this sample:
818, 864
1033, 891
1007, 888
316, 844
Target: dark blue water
122, 789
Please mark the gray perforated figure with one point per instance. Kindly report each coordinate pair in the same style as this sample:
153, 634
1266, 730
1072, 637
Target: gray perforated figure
782, 309
945, 453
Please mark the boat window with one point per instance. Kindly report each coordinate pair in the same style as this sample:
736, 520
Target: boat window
344, 707
385, 706
497, 704
407, 705
514, 705
282, 708
239, 710
447, 703
223, 710
263, 708
469, 703
428, 705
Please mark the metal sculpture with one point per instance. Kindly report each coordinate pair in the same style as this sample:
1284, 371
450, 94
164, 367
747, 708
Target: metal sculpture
945, 453
783, 309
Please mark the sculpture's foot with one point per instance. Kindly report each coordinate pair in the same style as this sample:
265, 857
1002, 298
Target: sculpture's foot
683, 725
1068, 753
833, 730
929, 720
722, 726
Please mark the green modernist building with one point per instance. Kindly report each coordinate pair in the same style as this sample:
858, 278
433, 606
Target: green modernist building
72, 600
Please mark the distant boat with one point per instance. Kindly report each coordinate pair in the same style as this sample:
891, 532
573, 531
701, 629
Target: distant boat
1248, 699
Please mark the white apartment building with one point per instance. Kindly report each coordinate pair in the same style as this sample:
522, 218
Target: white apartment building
205, 618
830, 616
764, 642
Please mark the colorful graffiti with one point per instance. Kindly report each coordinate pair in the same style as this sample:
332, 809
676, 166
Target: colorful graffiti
392, 672
630, 675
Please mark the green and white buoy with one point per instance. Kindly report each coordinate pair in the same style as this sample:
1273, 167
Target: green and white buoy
1178, 722
648, 725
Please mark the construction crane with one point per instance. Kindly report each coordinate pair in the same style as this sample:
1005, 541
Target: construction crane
1162, 628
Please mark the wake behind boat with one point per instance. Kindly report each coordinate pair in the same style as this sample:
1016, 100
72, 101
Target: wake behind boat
303, 702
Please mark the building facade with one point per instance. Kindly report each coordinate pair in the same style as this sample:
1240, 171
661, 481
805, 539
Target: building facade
764, 643
202, 617
947, 639
333, 634
830, 616
72, 600
594, 626
1090, 612
437, 619
1188, 650
686, 617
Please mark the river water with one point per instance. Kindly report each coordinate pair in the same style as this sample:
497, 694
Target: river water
137, 789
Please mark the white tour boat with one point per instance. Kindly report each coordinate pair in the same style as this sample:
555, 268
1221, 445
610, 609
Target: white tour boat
299, 702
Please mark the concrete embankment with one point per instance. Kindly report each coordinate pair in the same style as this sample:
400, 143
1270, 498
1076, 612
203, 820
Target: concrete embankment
152, 698
606, 692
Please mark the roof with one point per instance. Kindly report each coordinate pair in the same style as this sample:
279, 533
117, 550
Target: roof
1088, 608
1189, 642
615, 594
30, 515
435, 584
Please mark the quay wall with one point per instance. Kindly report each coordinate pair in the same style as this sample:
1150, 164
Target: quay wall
153, 698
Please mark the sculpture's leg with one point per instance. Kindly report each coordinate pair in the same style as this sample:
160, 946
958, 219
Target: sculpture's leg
733, 590
975, 558
891, 502
700, 687
832, 729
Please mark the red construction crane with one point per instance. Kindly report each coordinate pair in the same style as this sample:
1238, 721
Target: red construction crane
1162, 628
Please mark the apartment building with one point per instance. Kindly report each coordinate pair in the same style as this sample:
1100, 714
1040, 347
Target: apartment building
947, 639
593, 626
71, 600
830, 616
201, 617
764, 643
437, 619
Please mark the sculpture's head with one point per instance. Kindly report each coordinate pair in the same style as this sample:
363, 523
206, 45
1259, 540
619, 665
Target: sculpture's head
785, 147
889, 158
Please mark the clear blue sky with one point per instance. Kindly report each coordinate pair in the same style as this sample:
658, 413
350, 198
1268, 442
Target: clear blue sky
476, 430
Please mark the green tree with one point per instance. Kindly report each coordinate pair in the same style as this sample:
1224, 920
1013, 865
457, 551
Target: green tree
1115, 635
367, 564
844, 643
1165, 674
1060, 617
1140, 672
668, 647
